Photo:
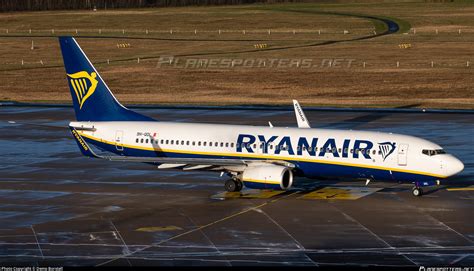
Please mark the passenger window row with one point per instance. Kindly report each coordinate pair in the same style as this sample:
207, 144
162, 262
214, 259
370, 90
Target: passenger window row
247, 145
185, 143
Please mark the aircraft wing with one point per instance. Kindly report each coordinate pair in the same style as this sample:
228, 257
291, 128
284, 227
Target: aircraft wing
172, 162
300, 116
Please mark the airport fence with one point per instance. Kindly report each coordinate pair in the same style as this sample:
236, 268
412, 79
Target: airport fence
178, 31
252, 63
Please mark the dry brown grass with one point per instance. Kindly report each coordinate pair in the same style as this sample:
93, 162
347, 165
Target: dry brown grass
449, 84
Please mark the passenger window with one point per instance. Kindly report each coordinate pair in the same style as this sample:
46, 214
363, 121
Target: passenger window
216, 144
204, 143
177, 142
172, 142
141, 140
161, 141
187, 143
167, 141
199, 143
232, 145
227, 145
136, 140
271, 147
374, 152
182, 142
222, 144
194, 143
146, 141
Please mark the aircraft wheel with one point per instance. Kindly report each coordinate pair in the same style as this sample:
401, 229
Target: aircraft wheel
231, 185
417, 192
240, 185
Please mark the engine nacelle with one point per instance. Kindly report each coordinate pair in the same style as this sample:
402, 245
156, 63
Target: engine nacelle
267, 176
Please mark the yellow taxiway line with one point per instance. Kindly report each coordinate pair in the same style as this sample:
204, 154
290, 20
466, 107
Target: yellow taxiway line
461, 189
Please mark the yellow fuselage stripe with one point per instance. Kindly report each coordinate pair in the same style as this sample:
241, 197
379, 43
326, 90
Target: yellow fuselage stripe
272, 157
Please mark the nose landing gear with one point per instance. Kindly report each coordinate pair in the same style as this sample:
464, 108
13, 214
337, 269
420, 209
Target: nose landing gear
417, 191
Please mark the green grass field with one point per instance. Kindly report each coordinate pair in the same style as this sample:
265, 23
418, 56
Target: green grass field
434, 71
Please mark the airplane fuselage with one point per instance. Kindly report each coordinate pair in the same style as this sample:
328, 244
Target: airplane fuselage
316, 153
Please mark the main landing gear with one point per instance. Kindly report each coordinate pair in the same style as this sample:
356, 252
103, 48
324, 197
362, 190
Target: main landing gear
233, 185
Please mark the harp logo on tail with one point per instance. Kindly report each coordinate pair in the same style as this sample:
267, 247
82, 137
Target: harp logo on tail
386, 148
84, 85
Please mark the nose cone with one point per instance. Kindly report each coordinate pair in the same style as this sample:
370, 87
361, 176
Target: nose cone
453, 166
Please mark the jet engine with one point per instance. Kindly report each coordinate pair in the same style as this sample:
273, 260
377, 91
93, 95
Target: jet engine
267, 176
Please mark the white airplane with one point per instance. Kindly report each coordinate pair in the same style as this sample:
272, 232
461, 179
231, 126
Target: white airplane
252, 156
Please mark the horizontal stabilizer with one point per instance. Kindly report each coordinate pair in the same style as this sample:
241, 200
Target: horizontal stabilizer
85, 149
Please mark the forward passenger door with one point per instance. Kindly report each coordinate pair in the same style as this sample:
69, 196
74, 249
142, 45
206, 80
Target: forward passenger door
402, 154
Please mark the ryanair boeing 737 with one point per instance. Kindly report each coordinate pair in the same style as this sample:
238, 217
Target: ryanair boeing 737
252, 156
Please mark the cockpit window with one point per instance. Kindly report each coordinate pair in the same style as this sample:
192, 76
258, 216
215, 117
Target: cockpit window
433, 152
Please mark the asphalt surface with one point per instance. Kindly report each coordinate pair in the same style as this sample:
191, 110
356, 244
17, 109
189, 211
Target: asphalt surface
60, 208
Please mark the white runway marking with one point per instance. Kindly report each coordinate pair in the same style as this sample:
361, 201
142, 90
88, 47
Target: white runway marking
375, 235
298, 244
205, 226
39, 247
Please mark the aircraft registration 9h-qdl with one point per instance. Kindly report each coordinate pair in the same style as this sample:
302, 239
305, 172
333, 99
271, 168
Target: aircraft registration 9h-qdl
257, 157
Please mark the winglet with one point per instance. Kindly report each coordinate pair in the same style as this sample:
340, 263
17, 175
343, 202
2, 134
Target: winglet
300, 116
85, 149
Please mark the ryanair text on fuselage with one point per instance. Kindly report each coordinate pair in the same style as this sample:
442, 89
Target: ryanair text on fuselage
361, 148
